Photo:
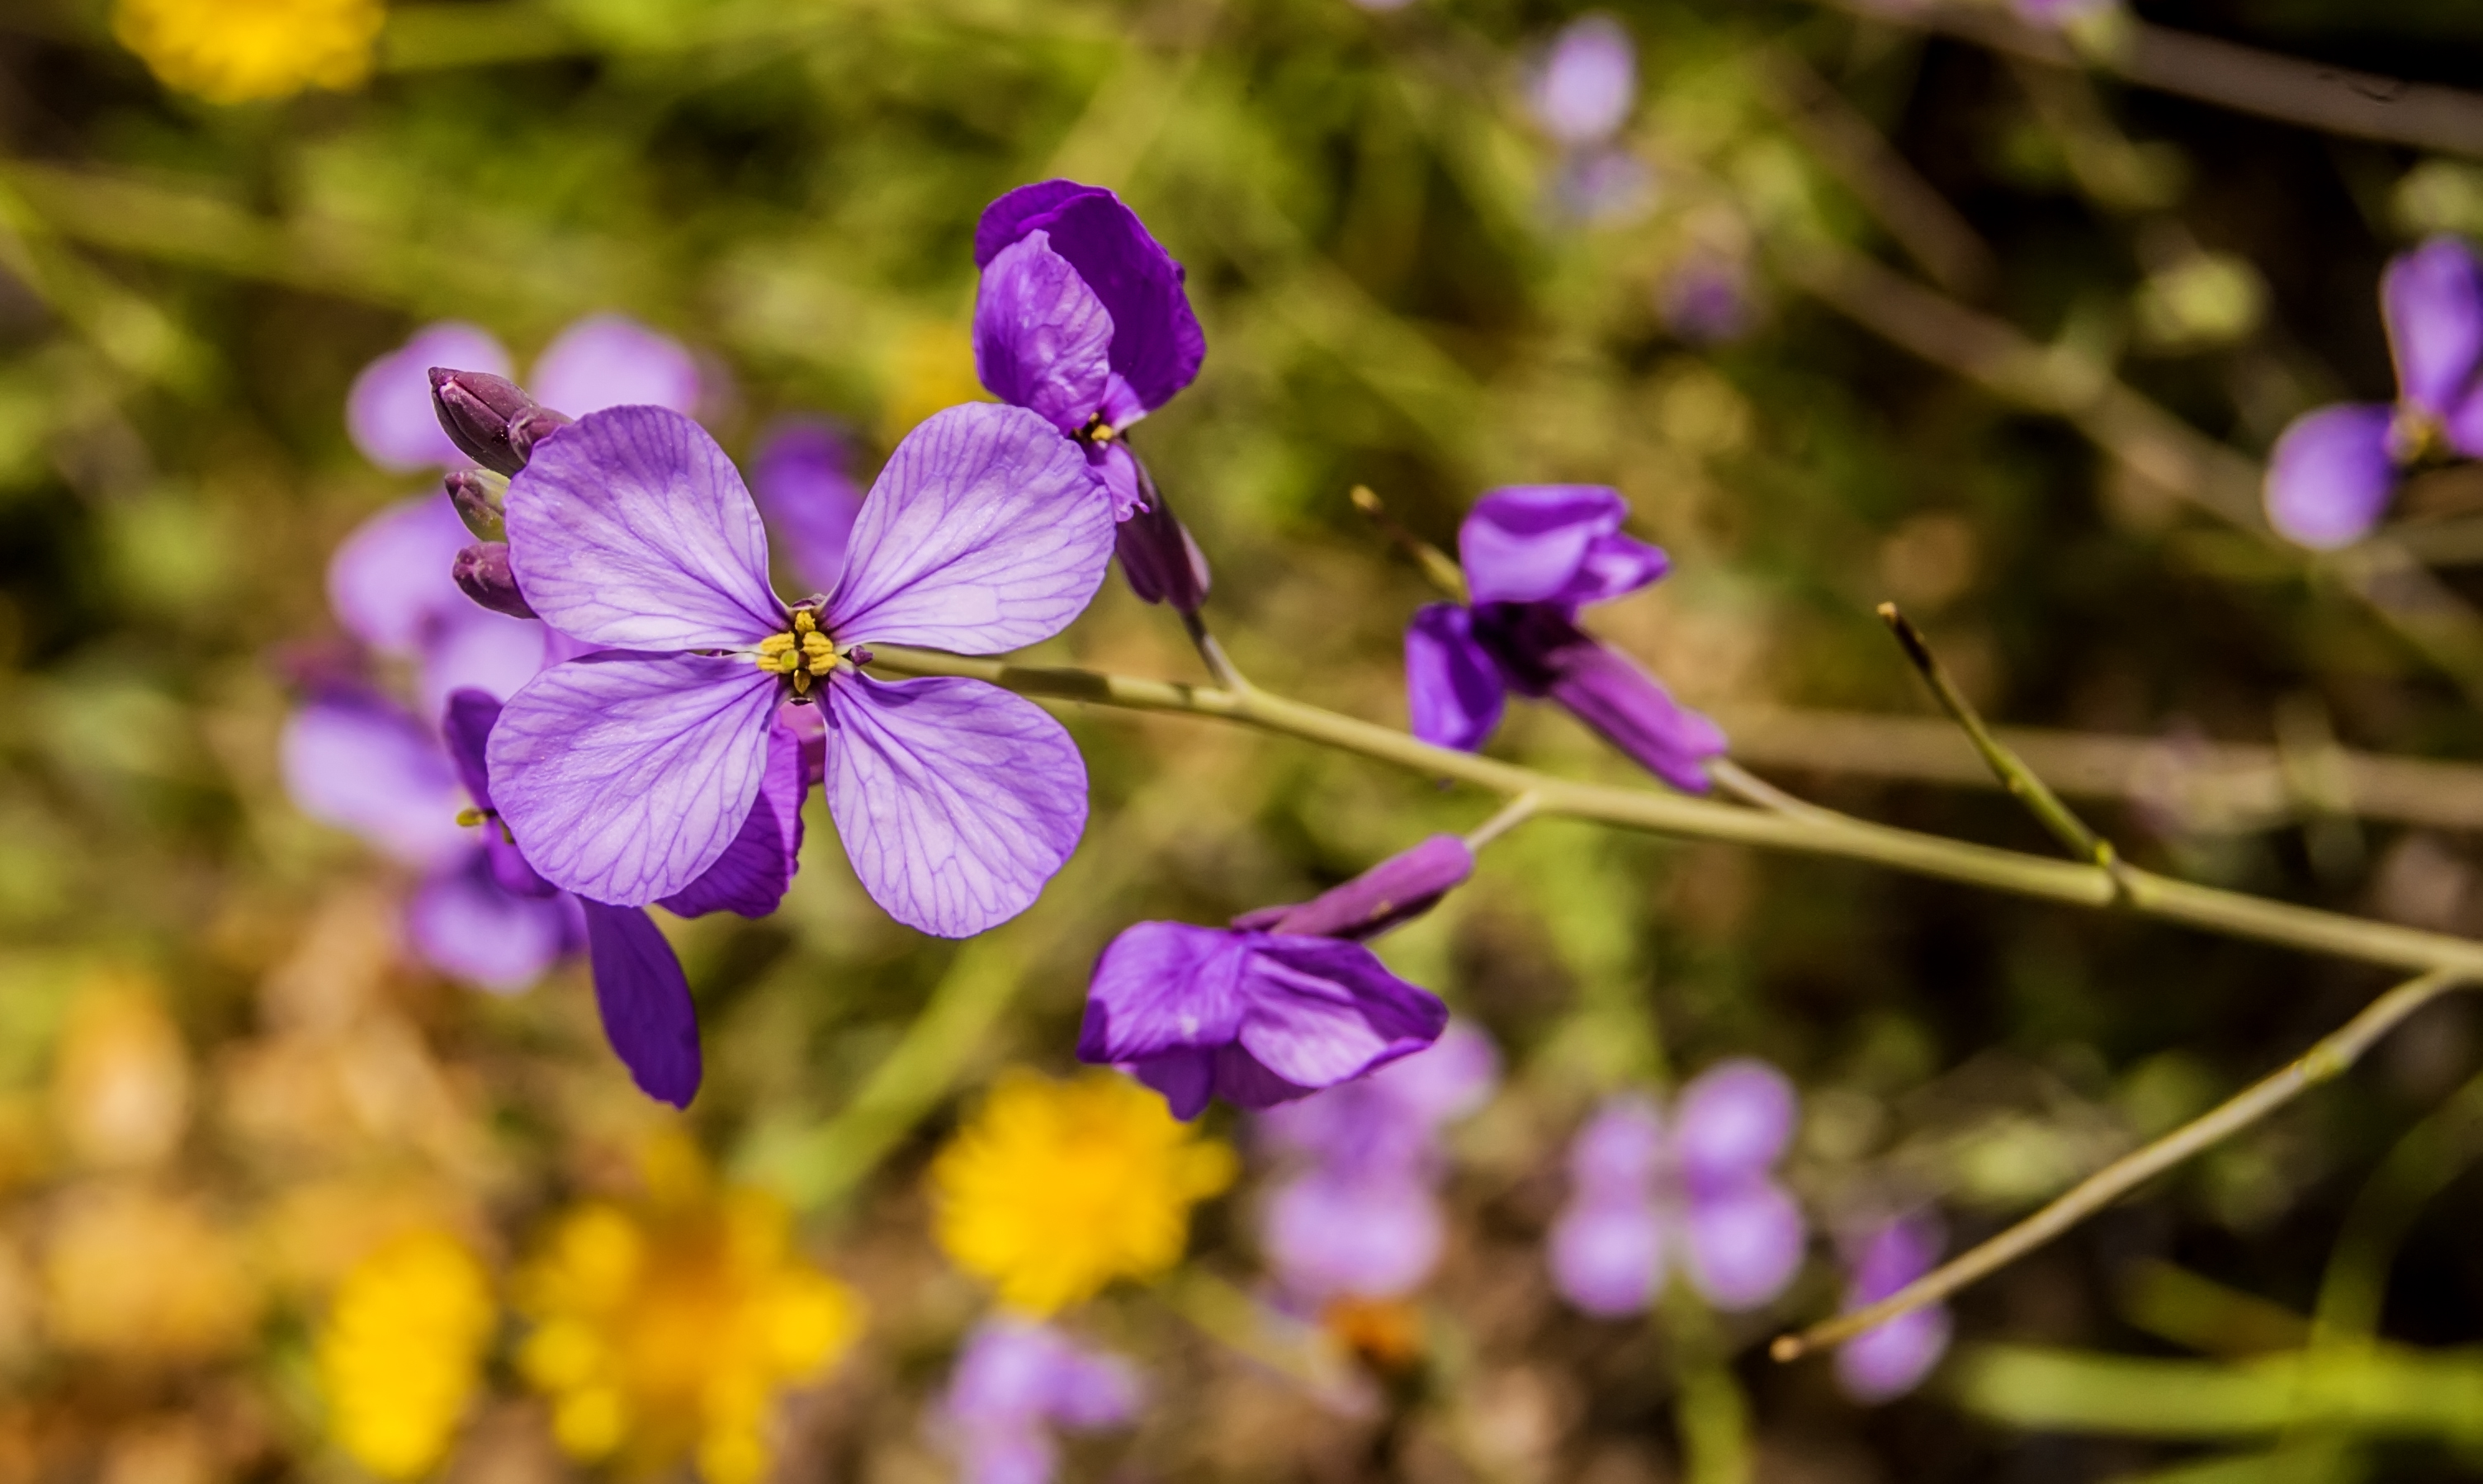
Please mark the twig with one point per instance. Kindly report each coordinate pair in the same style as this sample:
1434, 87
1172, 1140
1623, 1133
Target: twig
1219, 664
1739, 783
1516, 811
2007, 766
2323, 1062
1438, 566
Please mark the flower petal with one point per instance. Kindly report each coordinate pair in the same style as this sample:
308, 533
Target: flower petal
1157, 344
625, 776
1405, 885
475, 648
1587, 83
388, 582
754, 871
1608, 1256
631, 529
810, 501
1530, 543
1319, 1011
2331, 476
1162, 987
645, 1000
361, 763
955, 800
1377, 1238
612, 360
982, 534
467, 926
1041, 336
1013, 215
1884, 1363
1616, 1152
1450, 1080
388, 412
1745, 1243
1453, 689
1734, 1121
1635, 712
2432, 300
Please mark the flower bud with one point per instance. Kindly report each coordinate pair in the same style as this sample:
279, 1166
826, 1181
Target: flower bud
477, 496
489, 419
483, 573
1158, 557
1398, 890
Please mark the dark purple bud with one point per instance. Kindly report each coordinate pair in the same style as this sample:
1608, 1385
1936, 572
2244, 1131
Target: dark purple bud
1163, 564
483, 573
1398, 890
489, 419
477, 499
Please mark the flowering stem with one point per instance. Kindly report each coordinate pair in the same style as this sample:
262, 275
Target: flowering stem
1219, 664
1813, 830
2323, 1062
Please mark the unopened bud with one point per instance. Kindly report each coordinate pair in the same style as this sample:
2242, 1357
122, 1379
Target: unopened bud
483, 573
478, 495
1403, 886
489, 419
1163, 564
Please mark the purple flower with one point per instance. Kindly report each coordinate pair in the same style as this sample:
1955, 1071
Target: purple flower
388, 409
807, 498
1706, 300
627, 773
1534, 555
390, 585
1279, 1005
1082, 319
611, 360
1015, 1381
2335, 468
1582, 93
1708, 1189
1888, 1360
2059, 14
1362, 1219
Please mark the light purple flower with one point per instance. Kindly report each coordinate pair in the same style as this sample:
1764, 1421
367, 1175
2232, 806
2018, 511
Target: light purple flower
1886, 1362
2335, 468
388, 409
1082, 319
799, 478
2059, 14
626, 774
1016, 1381
389, 585
1706, 1191
1706, 298
610, 361
1534, 555
1279, 1005
1582, 90
1361, 1218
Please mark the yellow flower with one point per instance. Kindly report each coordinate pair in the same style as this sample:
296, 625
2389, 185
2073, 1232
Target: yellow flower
669, 1326
931, 369
402, 1351
239, 51
1056, 1188
139, 1276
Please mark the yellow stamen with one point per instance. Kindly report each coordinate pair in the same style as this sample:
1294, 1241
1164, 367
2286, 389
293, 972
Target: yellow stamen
801, 682
803, 623
468, 817
775, 644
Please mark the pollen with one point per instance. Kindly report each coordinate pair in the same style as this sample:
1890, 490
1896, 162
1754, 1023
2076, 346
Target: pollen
802, 652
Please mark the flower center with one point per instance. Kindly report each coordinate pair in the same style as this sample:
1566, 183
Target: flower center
2415, 438
1098, 432
801, 652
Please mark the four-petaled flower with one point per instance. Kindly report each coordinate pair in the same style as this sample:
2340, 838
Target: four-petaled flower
1534, 555
625, 774
1016, 1380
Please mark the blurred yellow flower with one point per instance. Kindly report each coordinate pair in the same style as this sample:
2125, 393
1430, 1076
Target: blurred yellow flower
240, 51
1053, 1189
121, 1080
402, 1351
133, 1274
932, 368
670, 1325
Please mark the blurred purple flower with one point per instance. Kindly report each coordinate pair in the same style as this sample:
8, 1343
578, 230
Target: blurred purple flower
1705, 300
389, 584
1583, 90
1707, 1189
1016, 1381
809, 500
1603, 185
1534, 555
1886, 1362
2059, 14
611, 360
1281, 1004
1082, 319
2335, 468
1362, 1218
627, 773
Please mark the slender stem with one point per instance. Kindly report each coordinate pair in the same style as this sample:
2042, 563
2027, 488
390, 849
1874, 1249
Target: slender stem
1740, 783
1219, 664
1437, 566
1516, 811
2011, 769
2324, 1061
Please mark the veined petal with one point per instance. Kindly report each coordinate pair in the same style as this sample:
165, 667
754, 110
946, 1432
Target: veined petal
1157, 344
753, 872
625, 776
955, 800
2432, 300
361, 763
984, 533
1162, 987
466, 725
2331, 476
1530, 544
810, 501
612, 360
1453, 689
1319, 1011
1041, 336
388, 412
466, 925
388, 582
631, 529
645, 1000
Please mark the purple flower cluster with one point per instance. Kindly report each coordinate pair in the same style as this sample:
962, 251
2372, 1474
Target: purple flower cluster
1534, 555
1703, 1188
1581, 92
1284, 1002
1360, 1219
2335, 468
1886, 1362
1017, 1381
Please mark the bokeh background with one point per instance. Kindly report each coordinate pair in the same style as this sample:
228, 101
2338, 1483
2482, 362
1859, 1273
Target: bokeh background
1916, 301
